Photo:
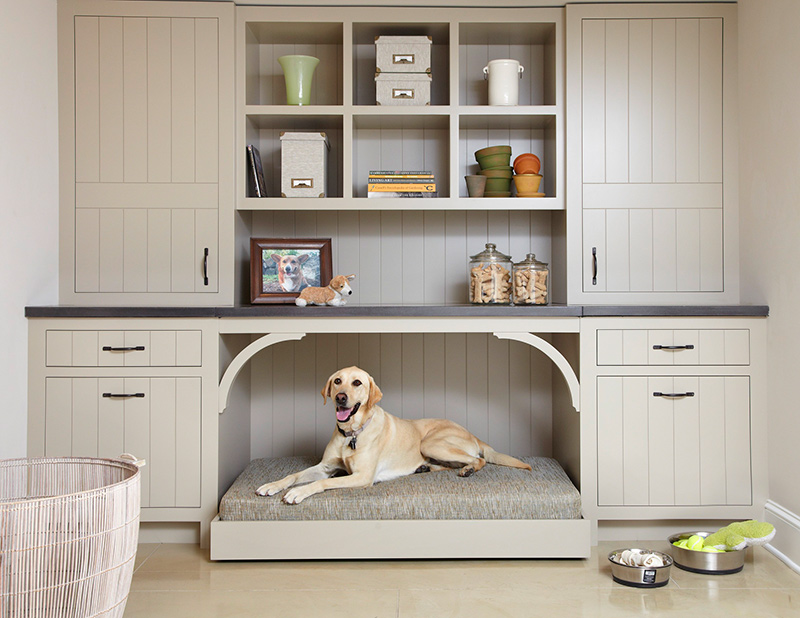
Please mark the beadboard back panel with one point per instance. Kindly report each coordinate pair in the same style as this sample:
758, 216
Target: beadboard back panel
412, 257
499, 390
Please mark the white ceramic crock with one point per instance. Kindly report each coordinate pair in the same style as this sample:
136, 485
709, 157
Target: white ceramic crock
503, 75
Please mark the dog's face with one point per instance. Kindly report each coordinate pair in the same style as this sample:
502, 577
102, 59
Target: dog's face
341, 284
290, 264
353, 390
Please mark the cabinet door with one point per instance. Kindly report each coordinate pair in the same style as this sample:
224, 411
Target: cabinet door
650, 97
156, 419
658, 449
150, 142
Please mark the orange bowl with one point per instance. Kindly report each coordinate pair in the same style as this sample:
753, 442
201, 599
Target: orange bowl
527, 163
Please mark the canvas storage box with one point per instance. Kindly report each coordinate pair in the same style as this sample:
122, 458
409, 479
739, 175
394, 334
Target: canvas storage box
403, 89
304, 164
403, 54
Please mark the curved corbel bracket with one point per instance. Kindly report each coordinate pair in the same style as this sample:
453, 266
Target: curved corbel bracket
554, 355
245, 355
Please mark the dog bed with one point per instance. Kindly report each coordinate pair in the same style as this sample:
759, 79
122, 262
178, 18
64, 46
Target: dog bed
495, 492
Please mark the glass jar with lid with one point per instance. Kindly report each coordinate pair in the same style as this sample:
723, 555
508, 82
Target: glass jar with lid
490, 277
531, 281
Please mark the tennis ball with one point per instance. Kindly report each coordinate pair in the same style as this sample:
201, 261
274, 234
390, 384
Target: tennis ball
694, 542
681, 543
712, 550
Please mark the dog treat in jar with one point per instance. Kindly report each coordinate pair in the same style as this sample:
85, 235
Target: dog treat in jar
490, 277
530, 281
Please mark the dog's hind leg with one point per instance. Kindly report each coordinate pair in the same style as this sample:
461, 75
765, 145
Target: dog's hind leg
453, 454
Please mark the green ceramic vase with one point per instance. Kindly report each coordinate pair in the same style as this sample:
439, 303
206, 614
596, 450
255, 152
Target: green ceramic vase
298, 71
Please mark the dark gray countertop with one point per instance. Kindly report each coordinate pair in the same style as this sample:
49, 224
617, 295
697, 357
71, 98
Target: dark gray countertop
400, 311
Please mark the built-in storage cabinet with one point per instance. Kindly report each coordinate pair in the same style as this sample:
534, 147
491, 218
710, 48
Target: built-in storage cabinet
673, 441
146, 152
364, 136
104, 387
672, 420
157, 419
652, 152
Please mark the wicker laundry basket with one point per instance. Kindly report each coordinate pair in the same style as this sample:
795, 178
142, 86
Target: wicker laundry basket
68, 534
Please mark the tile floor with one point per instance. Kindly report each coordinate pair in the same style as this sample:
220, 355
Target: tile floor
178, 580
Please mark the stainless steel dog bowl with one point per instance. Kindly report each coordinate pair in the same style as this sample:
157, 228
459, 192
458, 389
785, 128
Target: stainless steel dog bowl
723, 563
640, 576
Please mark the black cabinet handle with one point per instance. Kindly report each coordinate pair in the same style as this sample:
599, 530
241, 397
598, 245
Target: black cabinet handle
673, 347
205, 266
594, 265
122, 395
673, 395
137, 348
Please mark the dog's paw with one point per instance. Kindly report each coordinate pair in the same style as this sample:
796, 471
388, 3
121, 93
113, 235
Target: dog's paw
296, 495
269, 489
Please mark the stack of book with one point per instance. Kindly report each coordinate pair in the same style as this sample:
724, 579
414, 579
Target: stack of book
383, 183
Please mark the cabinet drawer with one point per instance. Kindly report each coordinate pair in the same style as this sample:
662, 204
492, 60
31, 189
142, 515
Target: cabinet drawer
123, 348
156, 419
673, 347
654, 449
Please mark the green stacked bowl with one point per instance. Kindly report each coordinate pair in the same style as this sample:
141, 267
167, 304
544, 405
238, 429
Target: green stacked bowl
493, 156
495, 162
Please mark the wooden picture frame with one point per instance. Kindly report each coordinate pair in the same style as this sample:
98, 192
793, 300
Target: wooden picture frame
279, 270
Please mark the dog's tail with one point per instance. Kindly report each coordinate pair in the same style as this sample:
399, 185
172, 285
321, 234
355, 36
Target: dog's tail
492, 456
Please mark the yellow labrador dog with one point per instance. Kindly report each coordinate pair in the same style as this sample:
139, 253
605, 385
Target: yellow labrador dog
371, 445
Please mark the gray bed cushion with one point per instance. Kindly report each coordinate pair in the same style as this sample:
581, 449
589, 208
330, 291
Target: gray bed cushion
496, 492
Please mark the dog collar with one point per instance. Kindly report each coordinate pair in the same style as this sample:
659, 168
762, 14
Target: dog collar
353, 434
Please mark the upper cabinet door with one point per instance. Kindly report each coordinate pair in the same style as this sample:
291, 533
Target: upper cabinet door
146, 152
652, 172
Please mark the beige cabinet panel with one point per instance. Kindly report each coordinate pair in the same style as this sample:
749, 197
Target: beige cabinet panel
673, 441
673, 347
148, 144
129, 348
651, 92
628, 250
156, 419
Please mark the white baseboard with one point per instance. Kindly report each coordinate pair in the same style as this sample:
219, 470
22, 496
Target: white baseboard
786, 544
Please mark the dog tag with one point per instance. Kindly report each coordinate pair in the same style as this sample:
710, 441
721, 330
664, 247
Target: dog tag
353, 443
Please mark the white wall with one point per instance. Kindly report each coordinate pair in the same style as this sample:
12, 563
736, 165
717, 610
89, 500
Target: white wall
28, 198
770, 215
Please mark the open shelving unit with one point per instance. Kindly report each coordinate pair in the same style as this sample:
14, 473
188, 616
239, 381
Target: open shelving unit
441, 137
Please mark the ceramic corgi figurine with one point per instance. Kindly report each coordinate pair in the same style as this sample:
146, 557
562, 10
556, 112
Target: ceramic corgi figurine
336, 292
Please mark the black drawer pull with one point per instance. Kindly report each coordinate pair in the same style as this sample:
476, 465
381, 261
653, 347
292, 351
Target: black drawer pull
673, 347
123, 395
673, 395
205, 266
594, 265
137, 348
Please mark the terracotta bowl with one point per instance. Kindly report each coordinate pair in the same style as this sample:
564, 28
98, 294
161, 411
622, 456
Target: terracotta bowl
527, 164
527, 183
530, 195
